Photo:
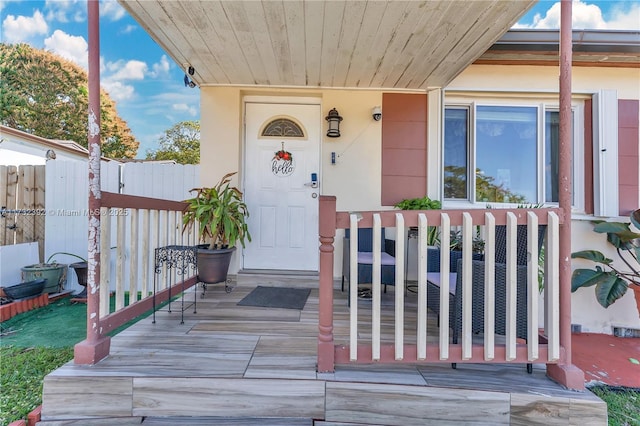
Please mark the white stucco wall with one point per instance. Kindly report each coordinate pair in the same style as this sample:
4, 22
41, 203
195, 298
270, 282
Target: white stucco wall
529, 79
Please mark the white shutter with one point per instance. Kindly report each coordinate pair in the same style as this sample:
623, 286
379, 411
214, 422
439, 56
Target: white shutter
605, 153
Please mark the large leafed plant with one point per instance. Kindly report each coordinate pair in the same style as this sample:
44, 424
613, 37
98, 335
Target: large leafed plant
611, 282
220, 213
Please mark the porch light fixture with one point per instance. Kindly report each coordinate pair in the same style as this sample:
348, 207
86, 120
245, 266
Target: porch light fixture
334, 120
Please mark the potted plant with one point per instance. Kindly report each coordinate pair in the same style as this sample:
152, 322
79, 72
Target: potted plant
219, 213
55, 273
611, 283
422, 203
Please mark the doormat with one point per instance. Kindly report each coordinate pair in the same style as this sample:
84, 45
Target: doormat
276, 297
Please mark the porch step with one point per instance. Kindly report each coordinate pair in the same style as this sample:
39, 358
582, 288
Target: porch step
244, 401
177, 421
251, 277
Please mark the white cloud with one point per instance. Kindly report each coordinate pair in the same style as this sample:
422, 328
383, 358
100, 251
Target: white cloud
625, 18
112, 10
73, 48
118, 90
583, 16
589, 16
22, 28
128, 29
192, 111
160, 68
130, 70
60, 10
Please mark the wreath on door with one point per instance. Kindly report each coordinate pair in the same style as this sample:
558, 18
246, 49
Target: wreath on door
282, 162
283, 155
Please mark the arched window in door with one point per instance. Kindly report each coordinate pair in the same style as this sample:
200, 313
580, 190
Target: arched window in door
282, 127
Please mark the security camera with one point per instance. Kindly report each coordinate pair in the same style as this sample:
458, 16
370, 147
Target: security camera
188, 82
376, 113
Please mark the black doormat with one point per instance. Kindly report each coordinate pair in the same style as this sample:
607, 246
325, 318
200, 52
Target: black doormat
276, 297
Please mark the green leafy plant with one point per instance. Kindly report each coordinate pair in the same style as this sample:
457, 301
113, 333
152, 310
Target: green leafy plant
610, 282
424, 203
219, 213
455, 241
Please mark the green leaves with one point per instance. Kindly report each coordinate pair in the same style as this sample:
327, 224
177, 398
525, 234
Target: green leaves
44, 94
424, 203
180, 143
611, 283
593, 255
220, 214
609, 287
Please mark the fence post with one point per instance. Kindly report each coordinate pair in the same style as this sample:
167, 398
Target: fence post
326, 347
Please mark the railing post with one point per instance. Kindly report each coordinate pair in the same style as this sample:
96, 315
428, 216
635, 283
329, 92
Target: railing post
326, 349
565, 372
96, 346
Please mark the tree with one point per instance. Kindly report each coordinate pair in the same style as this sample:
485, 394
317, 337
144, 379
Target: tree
180, 143
46, 95
455, 186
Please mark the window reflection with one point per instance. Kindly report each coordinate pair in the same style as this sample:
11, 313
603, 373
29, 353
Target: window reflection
506, 140
456, 135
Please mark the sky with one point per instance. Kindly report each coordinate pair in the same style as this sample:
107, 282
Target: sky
148, 86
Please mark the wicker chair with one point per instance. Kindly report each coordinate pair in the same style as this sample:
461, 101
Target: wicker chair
365, 258
477, 294
433, 286
477, 273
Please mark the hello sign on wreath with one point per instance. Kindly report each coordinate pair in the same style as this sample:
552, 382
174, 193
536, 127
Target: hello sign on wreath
282, 163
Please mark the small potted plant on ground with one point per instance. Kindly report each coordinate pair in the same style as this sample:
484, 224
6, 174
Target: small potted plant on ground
55, 273
612, 282
219, 213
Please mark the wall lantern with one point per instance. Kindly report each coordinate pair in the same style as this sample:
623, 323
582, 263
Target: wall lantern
334, 120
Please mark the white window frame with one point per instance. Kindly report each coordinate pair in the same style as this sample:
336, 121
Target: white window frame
542, 105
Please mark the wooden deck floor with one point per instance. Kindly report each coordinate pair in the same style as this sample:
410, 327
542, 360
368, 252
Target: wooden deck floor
230, 364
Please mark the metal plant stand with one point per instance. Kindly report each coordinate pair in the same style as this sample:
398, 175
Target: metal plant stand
181, 259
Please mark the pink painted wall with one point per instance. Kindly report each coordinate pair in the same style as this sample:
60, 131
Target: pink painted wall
404, 147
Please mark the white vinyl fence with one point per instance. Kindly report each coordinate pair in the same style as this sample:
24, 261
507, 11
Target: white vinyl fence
66, 200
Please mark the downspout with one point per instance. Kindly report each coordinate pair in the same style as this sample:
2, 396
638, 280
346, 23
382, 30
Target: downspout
565, 373
95, 347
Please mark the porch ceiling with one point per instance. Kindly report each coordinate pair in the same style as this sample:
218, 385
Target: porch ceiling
389, 44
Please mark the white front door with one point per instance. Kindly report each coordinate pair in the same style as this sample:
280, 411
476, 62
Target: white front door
282, 160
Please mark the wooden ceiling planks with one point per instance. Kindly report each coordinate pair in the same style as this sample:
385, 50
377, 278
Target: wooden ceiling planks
390, 44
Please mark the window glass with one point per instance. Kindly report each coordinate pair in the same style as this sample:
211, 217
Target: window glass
456, 137
506, 152
552, 141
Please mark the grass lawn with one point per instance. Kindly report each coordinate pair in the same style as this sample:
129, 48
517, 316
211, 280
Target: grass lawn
21, 373
623, 404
